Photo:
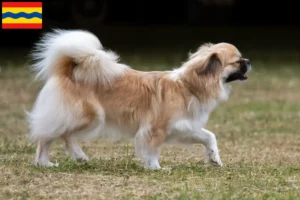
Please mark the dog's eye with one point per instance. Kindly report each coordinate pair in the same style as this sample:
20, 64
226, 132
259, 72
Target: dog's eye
236, 62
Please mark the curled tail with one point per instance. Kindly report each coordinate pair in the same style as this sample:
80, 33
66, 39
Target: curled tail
76, 54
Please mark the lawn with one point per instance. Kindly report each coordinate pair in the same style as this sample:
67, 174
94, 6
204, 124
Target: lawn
257, 131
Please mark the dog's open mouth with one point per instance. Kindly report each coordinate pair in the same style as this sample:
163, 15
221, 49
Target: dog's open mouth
237, 76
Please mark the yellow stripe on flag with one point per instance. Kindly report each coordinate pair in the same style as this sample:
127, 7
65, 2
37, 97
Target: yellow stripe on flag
24, 9
21, 21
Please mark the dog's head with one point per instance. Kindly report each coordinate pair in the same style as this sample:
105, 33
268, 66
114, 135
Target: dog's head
213, 65
223, 60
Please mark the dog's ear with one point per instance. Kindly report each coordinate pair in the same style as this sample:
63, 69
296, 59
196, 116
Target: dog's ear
202, 49
212, 65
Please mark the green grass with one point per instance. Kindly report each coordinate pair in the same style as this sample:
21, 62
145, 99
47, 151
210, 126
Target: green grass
257, 132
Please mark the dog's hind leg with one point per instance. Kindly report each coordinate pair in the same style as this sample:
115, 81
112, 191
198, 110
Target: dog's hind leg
74, 149
42, 157
89, 131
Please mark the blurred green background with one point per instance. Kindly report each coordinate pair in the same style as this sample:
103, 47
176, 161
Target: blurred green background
168, 30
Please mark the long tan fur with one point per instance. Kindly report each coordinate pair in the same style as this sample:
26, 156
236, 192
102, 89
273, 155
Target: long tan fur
88, 92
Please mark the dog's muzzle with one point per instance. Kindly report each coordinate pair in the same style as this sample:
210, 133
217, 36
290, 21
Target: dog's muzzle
241, 74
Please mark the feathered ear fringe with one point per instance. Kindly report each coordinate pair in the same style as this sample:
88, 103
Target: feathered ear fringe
202, 49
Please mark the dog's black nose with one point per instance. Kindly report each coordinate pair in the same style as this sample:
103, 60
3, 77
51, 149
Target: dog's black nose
247, 61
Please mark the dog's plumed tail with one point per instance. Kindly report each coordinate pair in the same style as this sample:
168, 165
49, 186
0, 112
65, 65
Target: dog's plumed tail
77, 54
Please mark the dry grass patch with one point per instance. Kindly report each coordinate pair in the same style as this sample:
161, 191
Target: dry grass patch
257, 131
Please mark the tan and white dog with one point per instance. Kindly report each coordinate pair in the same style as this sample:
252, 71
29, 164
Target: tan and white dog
87, 92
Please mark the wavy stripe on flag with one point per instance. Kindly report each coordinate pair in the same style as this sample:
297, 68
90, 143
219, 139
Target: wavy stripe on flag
21, 14
21, 21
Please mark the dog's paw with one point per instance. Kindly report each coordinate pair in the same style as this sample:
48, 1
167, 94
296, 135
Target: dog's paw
46, 164
152, 166
216, 161
83, 159
213, 158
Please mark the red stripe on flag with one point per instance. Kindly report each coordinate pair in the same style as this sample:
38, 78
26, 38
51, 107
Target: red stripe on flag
21, 4
22, 26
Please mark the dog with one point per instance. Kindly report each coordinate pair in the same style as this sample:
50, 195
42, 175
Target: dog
87, 91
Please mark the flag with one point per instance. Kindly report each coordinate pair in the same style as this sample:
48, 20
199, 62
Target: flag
21, 15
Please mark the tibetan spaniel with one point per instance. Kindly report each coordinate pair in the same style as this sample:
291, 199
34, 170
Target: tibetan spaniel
87, 92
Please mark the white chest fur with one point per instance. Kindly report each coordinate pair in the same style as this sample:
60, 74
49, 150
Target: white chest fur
195, 119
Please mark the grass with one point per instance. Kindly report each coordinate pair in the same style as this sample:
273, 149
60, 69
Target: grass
257, 132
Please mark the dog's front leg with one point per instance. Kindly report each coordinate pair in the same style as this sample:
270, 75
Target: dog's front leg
209, 140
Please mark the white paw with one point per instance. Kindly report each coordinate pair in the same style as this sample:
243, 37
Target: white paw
82, 158
46, 164
154, 165
213, 158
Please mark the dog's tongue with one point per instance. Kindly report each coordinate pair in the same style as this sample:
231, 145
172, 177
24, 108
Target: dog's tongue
246, 75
